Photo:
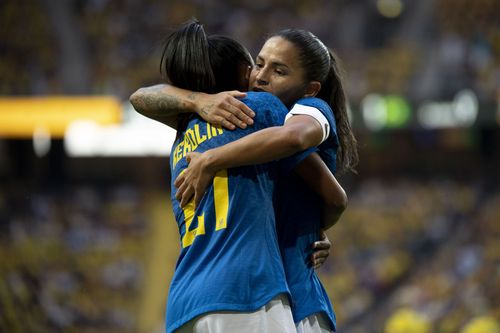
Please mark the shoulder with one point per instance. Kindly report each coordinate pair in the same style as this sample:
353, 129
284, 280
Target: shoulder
320, 105
317, 103
268, 108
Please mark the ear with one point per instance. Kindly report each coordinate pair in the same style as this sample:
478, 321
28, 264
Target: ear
247, 74
312, 89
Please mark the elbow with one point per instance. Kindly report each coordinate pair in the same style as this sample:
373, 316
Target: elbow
334, 208
337, 202
136, 99
344, 201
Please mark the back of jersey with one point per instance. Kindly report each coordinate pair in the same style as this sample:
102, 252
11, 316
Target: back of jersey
229, 256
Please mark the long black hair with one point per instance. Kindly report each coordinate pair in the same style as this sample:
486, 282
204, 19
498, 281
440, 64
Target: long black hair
228, 58
194, 61
185, 60
322, 65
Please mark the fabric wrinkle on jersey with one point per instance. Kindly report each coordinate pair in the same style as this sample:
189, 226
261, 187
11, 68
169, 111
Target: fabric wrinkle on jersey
237, 267
298, 216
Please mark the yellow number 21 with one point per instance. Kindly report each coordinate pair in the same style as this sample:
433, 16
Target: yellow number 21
221, 203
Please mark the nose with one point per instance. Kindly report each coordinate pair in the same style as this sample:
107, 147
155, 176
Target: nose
261, 82
261, 78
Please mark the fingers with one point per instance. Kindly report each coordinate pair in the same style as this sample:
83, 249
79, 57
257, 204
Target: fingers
229, 112
323, 254
233, 116
186, 193
241, 110
237, 112
321, 251
181, 187
179, 180
226, 109
320, 245
318, 263
226, 123
237, 94
319, 258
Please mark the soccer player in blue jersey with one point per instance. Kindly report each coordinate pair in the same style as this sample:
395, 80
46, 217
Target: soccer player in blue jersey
230, 258
287, 61
298, 210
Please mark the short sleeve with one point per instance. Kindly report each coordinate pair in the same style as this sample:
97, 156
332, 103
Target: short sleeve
328, 148
312, 112
270, 111
325, 109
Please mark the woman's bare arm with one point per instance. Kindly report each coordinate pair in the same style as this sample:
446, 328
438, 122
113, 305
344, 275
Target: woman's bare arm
164, 102
319, 178
300, 132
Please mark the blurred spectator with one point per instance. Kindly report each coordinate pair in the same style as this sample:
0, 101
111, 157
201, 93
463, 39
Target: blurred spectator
486, 324
455, 46
407, 321
72, 260
406, 251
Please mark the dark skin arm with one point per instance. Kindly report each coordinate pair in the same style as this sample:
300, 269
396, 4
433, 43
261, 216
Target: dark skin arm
164, 102
318, 177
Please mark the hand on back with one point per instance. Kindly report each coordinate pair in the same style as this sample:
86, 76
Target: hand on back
224, 109
194, 180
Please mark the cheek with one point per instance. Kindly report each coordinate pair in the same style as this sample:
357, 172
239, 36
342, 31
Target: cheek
289, 93
285, 87
253, 75
251, 82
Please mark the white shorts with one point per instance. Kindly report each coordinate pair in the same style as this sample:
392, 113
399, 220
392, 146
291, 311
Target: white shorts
315, 323
274, 317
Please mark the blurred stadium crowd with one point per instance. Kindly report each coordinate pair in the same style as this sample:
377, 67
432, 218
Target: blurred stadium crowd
432, 247
420, 49
408, 255
71, 260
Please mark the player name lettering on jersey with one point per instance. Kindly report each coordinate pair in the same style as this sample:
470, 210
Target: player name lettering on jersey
193, 137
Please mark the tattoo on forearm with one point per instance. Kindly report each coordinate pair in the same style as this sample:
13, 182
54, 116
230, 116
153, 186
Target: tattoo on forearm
169, 103
157, 101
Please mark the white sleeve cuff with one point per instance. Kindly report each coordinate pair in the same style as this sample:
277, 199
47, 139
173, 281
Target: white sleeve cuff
313, 112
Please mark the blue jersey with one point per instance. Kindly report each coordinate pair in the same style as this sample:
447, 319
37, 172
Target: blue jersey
298, 217
229, 258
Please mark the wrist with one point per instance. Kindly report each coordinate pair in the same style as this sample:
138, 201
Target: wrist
210, 161
195, 102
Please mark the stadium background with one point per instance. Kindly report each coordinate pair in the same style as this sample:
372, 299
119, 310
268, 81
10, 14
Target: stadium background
88, 242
